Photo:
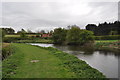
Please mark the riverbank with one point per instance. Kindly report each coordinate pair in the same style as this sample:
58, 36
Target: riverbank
108, 45
103, 45
37, 62
98, 43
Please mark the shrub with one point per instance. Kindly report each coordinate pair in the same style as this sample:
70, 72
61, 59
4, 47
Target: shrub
59, 35
77, 36
7, 51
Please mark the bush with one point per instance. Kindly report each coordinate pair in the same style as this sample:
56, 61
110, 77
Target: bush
110, 37
79, 37
6, 51
73, 36
59, 35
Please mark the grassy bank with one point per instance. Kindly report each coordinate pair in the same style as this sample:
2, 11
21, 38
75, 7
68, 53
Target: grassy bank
108, 45
37, 62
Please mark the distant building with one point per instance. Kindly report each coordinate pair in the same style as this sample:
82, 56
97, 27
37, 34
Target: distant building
46, 35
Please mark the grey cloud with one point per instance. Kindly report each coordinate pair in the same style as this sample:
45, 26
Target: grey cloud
49, 15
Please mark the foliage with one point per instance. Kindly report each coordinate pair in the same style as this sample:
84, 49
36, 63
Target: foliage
104, 28
6, 51
109, 37
42, 31
108, 45
73, 36
77, 36
70, 26
10, 64
11, 39
38, 35
59, 35
23, 35
30, 38
22, 31
8, 30
2, 34
86, 36
113, 32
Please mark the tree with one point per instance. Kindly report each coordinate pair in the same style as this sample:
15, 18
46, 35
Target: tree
59, 35
70, 26
73, 35
2, 34
79, 37
22, 33
86, 36
8, 30
113, 32
42, 31
104, 28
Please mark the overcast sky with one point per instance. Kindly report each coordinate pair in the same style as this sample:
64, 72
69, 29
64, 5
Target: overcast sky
49, 15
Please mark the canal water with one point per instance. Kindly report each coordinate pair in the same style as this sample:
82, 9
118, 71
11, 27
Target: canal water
104, 61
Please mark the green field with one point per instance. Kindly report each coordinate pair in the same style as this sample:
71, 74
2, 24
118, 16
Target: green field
36, 41
29, 61
97, 41
12, 35
17, 35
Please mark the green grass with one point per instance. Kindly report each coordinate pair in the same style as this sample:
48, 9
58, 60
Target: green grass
52, 64
12, 35
36, 41
29, 39
105, 41
47, 67
17, 35
108, 45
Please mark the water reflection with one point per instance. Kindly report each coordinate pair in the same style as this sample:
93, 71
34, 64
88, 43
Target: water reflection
104, 61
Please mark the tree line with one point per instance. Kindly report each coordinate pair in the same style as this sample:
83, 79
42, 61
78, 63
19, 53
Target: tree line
105, 28
73, 35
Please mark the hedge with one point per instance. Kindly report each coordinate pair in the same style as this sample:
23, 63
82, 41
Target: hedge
110, 37
14, 39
